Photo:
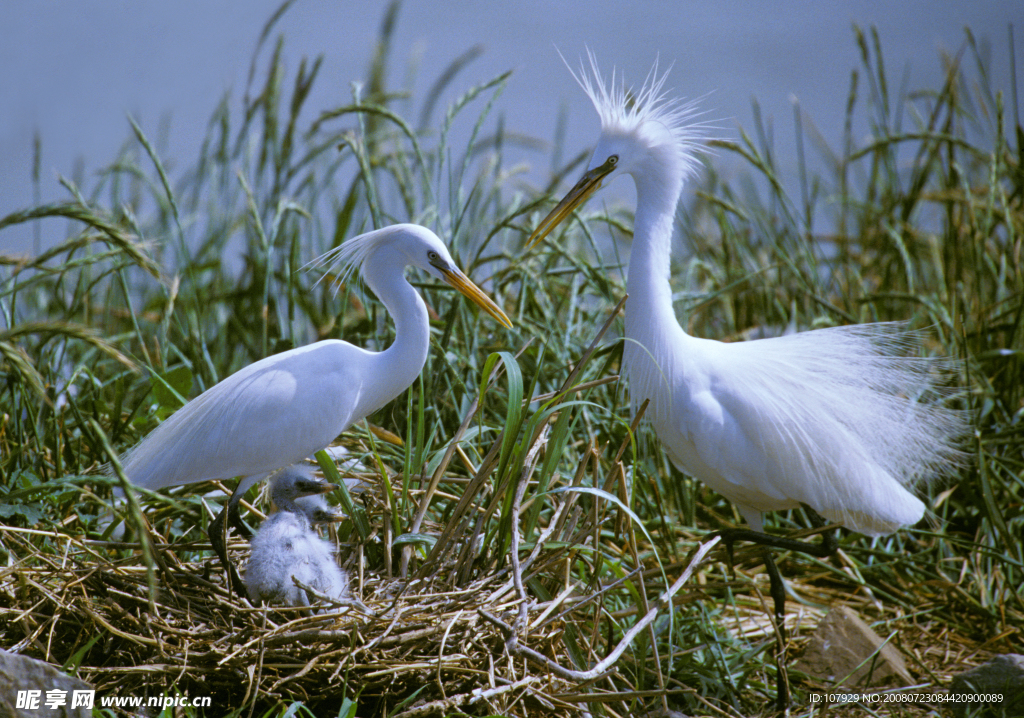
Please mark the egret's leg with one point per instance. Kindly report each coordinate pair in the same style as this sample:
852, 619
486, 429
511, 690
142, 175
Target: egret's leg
234, 513
219, 530
218, 539
778, 592
235, 518
826, 548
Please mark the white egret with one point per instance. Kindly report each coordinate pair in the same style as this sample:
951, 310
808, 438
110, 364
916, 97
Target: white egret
286, 407
286, 546
838, 419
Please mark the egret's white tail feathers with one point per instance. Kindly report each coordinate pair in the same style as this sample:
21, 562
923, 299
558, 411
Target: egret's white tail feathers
162, 459
235, 428
868, 417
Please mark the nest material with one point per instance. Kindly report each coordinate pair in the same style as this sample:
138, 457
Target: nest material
452, 638
430, 650
195, 637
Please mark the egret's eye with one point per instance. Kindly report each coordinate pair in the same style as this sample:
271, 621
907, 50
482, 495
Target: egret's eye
433, 256
612, 161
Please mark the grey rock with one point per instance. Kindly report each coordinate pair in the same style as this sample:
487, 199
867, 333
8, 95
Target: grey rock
1004, 676
841, 643
21, 673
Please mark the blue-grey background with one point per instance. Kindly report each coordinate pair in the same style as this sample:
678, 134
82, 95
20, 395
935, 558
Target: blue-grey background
72, 71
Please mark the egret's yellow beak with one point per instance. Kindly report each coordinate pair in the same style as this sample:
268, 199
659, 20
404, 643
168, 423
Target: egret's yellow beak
460, 281
579, 194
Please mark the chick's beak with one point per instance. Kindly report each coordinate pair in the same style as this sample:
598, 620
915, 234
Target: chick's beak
331, 516
579, 194
460, 281
313, 487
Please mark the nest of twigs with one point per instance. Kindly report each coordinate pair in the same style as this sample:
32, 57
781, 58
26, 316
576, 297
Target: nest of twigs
455, 632
428, 648
430, 645
198, 638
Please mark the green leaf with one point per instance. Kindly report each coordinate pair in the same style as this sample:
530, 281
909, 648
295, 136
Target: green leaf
356, 512
421, 539
172, 388
30, 514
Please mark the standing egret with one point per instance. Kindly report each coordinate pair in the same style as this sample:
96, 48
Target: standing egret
838, 419
286, 407
286, 546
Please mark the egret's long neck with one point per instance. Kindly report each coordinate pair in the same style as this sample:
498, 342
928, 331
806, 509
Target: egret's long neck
651, 327
650, 296
398, 366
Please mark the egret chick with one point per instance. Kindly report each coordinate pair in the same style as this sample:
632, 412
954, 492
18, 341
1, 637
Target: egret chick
840, 419
314, 506
318, 511
286, 407
286, 547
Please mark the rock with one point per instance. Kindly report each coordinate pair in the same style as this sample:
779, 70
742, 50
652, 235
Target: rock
44, 691
1003, 675
841, 643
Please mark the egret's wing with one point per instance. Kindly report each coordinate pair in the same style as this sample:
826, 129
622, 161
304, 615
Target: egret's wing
274, 412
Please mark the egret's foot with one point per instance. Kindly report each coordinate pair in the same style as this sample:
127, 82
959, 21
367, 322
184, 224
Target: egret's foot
827, 547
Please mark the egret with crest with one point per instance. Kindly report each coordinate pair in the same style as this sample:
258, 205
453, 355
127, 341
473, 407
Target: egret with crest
286, 407
842, 419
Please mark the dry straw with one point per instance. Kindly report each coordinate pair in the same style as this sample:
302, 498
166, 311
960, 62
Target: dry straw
441, 643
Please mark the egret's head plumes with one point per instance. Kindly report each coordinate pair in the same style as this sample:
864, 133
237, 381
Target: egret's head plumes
638, 123
393, 245
388, 250
644, 133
